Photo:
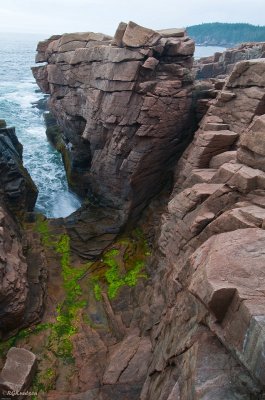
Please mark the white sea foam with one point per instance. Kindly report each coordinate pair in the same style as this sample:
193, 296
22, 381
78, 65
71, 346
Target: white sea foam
23, 99
17, 93
36, 132
65, 204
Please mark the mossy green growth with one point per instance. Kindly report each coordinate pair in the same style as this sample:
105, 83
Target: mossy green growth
43, 382
43, 229
67, 312
97, 290
123, 265
141, 237
22, 334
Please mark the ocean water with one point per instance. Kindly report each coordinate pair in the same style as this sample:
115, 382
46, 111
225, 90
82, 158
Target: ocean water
18, 91
206, 51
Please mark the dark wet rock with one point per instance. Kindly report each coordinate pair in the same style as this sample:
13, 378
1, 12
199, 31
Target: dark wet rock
14, 285
92, 229
41, 104
18, 190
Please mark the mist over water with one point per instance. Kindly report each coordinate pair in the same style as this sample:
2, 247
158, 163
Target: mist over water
18, 91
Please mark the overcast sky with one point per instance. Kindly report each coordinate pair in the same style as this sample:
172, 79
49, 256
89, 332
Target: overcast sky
59, 16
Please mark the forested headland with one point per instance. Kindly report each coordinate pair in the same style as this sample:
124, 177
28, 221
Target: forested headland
225, 34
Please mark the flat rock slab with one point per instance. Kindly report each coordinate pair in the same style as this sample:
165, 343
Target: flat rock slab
223, 158
174, 32
248, 73
18, 370
138, 36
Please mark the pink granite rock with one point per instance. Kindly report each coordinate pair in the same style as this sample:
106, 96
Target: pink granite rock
18, 372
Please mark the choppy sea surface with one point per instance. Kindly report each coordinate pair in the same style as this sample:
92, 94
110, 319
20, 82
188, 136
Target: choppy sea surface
18, 92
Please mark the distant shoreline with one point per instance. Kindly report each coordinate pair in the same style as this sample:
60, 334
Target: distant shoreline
216, 45
226, 34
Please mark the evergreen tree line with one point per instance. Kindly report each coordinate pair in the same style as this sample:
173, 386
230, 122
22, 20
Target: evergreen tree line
217, 33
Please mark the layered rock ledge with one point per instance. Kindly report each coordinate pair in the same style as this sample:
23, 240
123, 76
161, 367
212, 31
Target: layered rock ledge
124, 106
210, 259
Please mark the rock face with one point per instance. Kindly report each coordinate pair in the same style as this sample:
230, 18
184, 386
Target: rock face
92, 229
22, 283
251, 151
124, 104
14, 285
223, 63
222, 126
17, 188
18, 371
210, 257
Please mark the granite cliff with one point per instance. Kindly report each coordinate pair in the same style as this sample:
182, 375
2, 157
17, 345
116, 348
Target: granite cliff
22, 287
110, 96
155, 287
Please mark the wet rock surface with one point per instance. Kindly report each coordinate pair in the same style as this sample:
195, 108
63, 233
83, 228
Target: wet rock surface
92, 229
18, 190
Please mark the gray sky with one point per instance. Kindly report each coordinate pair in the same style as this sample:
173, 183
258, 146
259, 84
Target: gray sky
59, 16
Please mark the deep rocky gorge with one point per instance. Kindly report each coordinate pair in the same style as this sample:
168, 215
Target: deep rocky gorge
154, 288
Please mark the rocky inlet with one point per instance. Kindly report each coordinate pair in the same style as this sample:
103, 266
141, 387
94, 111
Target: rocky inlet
154, 288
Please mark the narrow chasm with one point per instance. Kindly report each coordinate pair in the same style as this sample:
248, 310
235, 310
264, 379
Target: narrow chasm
151, 286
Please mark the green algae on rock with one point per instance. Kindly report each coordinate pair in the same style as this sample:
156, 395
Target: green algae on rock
122, 265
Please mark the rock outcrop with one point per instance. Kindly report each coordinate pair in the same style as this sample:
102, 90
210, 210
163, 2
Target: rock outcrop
124, 105
210, 257
14, 285
221, 64
22, 266
18, 190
